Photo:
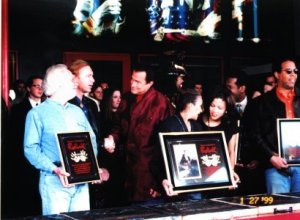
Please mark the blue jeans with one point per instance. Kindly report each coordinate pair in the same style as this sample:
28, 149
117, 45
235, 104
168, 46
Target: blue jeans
286, 181
57, 199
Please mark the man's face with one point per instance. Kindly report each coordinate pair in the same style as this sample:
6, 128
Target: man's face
270, 80
235, 90
21, 89
68, 88
35, 90
98, 93
287, 77
85, 79
198, 88
139, 86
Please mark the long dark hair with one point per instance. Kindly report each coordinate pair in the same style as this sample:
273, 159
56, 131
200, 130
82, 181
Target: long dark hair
225, 95
106, 104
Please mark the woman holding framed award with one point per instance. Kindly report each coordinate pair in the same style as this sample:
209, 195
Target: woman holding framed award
219, 115
189, 107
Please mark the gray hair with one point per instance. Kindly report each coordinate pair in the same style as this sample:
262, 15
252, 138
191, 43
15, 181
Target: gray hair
54, 78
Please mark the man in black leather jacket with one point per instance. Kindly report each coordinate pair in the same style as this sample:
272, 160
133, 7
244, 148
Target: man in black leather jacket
281, 102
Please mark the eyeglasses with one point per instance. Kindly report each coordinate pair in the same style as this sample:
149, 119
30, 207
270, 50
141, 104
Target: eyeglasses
37, 86
289, 71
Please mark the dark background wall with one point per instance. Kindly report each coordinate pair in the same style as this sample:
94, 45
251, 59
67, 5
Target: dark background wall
40, 31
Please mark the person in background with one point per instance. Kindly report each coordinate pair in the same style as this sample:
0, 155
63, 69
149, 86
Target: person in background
281, 102
113, 190
247, 167
84, 77
269, 84
185, 120
141, 112
174, 82
19, 89
237, 84
104, 85
56, 115
96, 94
22, 170
198, 87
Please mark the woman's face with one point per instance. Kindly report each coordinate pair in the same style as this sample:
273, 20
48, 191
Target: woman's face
116, 99
196, 108
217, 109
98, 93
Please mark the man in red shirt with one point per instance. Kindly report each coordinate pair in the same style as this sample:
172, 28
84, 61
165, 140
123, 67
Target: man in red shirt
281, 102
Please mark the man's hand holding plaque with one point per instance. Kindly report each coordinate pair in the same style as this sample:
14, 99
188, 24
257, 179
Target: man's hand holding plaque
79, 164
62, 176
104, 176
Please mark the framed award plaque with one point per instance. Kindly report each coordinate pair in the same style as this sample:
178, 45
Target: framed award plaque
78, 157
196, 161
289, 140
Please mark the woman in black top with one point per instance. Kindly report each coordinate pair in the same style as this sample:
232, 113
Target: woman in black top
219, 115
113, 193
189, 107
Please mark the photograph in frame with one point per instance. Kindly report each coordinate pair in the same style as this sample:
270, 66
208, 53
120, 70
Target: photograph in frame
196, 161
78, 157
289, 140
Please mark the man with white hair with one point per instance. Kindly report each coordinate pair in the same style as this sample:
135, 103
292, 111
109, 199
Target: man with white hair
53, 116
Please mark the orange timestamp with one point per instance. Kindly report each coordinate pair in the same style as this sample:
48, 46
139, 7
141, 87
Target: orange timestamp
257, 200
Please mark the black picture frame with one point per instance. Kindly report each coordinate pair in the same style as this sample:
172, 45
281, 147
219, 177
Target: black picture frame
289, 140
78, 157
208, 167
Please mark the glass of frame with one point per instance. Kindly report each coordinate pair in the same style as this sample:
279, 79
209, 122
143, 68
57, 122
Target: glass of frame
289, 140
196, 161
78, 157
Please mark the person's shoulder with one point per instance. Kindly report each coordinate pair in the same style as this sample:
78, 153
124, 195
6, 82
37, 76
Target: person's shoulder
74, 107
159, 94
24, 103
91, 102
168, 124
264, 97
72, 101
162, 99
171, 118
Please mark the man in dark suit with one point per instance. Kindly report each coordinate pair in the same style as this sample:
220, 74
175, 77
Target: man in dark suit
247, 166
26, 194
85, 79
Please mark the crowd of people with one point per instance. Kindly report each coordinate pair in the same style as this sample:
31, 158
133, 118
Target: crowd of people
124, 131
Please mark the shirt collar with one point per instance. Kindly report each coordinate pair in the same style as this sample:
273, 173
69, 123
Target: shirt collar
34, 103
243, 103
285, 95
